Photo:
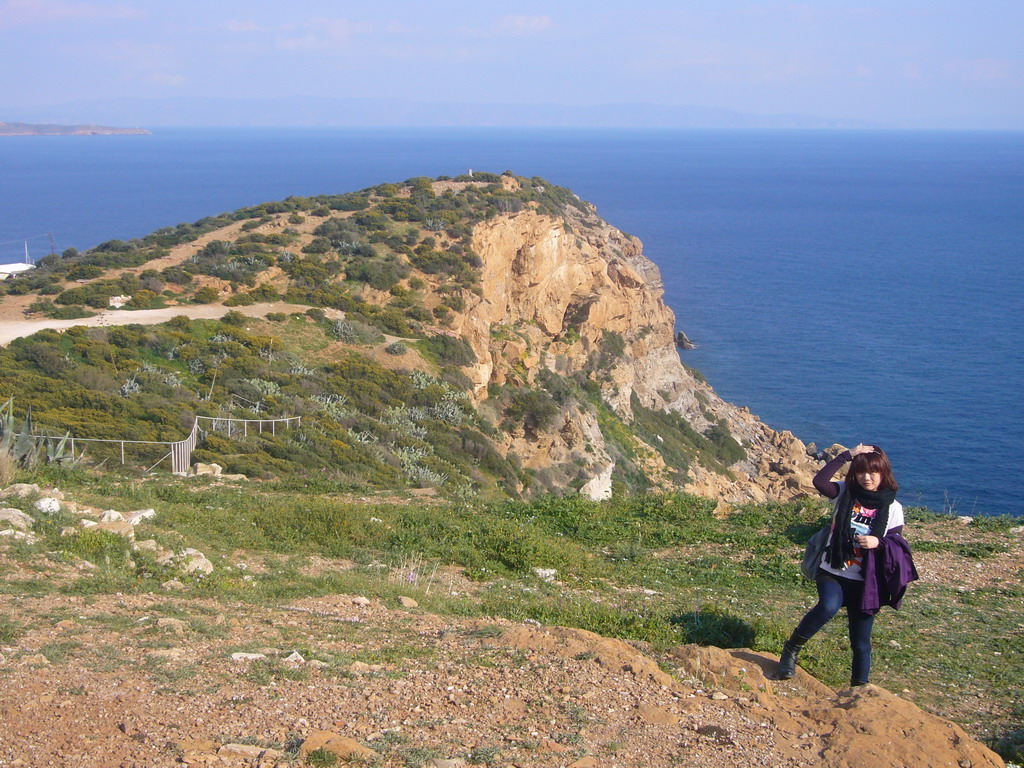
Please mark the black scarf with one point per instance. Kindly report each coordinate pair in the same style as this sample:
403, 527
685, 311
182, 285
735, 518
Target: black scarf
840, 551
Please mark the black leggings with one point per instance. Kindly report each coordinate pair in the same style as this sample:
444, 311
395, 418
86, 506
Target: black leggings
833, 593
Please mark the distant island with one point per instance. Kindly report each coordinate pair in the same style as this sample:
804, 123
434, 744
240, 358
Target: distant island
47, 129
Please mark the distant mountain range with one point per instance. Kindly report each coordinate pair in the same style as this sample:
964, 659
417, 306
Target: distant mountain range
50, 129
349, 112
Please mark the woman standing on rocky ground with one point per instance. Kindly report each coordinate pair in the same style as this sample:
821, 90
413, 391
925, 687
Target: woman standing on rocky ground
866, 562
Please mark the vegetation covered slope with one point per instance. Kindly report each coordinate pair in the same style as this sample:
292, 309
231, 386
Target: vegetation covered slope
383, 383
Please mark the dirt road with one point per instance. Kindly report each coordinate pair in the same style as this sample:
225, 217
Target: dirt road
11, 329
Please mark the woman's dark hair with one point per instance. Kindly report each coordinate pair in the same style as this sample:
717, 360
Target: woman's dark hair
876, 461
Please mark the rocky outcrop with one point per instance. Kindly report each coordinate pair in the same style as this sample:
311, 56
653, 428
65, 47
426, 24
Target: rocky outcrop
576, 296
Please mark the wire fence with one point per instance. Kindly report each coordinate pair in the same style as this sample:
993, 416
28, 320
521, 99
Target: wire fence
180, 451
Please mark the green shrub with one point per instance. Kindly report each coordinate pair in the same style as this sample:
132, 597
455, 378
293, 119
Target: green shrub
205, 295
355, 332
448, 350
534, 409
100, 547
239, 300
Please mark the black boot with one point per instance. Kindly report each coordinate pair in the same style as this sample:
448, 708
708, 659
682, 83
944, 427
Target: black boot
854, 682
790, 652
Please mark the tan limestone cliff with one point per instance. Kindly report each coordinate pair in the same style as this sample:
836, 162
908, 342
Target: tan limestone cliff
552, 291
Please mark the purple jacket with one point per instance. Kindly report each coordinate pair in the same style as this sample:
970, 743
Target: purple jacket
888, 569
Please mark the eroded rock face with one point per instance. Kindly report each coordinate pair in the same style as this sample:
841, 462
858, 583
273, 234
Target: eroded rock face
557, 295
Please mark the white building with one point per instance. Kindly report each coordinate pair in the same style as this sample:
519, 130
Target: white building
6, 270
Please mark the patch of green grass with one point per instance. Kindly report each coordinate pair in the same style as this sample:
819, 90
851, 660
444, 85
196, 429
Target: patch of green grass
10, 630
100, 547
263, 672
321, 758
484, 755
57, 653
995, 523
114, 622
416, 757
168, 673
972, 549
393, 654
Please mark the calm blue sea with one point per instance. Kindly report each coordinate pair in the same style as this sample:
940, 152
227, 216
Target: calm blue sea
848, 286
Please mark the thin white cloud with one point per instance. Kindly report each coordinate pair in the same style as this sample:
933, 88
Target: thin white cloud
243, 26
982, 70
524, 25
167, 79
16, 13
427, 53
512, 26
318, 34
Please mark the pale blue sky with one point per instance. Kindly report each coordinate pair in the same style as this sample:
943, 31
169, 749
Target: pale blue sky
908, 63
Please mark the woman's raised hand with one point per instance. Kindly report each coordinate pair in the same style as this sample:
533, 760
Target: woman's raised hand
861, 448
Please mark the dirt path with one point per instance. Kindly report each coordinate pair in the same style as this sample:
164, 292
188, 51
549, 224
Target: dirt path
13, 323
13, 329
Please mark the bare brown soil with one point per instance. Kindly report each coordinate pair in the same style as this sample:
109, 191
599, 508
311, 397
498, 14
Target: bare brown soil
149, 680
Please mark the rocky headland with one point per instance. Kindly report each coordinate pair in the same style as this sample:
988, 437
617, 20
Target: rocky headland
50, 129
562, 314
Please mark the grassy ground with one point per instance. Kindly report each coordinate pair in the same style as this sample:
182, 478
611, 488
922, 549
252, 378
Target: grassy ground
659, 570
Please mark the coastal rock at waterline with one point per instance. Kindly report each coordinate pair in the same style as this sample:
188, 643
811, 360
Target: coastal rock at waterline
833, 450
15, 518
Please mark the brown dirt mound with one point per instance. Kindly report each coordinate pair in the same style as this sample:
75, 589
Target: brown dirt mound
126, 681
